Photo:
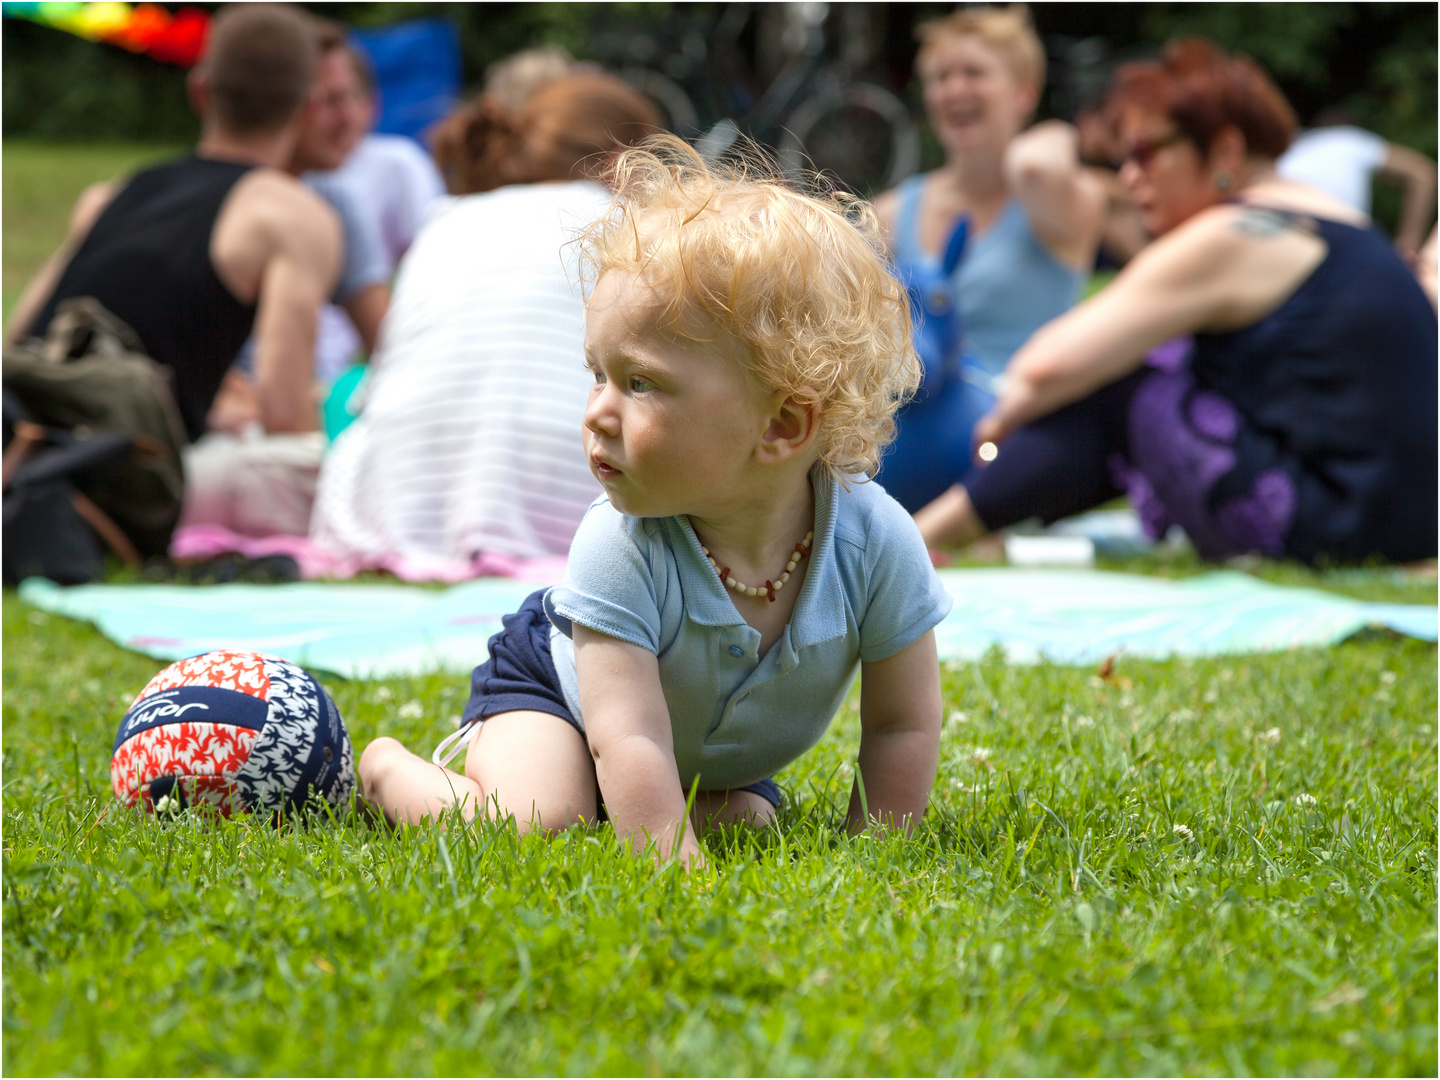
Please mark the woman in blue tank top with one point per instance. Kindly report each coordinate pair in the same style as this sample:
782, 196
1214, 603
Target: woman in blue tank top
1262, 375
992, 245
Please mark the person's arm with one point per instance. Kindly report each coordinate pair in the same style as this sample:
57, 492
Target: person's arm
290, 300
88, 208
1416, 174
366, 308
1064, 204
627, 724
1427, 272
297, 280
1124, 233
364, 288
900, 713
1223, 269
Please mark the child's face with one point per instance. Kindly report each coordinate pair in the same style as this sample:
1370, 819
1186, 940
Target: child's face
672, 425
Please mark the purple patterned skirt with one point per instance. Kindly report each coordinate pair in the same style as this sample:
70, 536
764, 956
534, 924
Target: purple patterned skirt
1193, 462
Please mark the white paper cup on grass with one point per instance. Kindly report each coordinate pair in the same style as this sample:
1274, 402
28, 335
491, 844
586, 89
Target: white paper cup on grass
1049, 551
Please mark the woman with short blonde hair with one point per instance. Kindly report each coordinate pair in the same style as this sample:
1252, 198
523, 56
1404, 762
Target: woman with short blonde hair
993, 244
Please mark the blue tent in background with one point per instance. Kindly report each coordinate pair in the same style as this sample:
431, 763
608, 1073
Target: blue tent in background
417, 67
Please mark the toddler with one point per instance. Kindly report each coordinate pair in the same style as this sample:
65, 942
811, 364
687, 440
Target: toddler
749, 350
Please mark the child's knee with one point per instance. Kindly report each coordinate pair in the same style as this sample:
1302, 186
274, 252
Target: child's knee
378, 757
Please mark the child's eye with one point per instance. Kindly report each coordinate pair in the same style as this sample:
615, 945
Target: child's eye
640, 385
598, 375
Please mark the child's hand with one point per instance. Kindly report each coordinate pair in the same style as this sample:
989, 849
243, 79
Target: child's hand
900, 714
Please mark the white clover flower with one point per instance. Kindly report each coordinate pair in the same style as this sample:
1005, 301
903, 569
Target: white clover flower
1269, 737
847, 771
384, 693
981, 754
167, 804
1304, 799
412, 710
1388, 678
1184, 832
958, 717
1083, 722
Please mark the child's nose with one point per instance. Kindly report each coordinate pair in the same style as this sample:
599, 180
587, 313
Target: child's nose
600, 415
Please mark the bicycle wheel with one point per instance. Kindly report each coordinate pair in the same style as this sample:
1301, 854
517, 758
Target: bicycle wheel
859, 133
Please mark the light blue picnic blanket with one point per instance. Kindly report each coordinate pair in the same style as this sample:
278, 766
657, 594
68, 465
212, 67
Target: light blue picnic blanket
1065, 616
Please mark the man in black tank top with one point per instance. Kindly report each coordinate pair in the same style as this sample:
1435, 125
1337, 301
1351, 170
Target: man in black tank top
194, 254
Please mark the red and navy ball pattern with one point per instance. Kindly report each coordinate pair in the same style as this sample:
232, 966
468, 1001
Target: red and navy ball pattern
235, 732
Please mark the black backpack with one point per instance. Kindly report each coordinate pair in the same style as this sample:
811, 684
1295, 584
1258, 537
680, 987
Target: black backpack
93, 443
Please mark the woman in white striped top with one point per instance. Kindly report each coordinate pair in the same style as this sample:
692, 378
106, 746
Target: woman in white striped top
469, 442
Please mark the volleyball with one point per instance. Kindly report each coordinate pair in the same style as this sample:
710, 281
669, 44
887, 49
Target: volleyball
234, 732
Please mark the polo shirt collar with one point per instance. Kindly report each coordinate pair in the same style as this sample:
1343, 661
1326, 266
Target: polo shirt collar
819, 612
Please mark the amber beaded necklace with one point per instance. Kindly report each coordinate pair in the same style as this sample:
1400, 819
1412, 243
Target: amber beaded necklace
770, 588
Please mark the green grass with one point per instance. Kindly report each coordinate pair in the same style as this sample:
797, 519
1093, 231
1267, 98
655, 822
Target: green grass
1115, 876
41, 183
1048, 917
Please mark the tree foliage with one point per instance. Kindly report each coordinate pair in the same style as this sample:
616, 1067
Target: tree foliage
1378, 60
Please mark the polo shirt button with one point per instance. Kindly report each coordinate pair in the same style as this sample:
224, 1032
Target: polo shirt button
737, 651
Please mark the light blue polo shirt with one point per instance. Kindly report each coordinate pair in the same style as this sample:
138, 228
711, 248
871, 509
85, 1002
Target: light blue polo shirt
869, 591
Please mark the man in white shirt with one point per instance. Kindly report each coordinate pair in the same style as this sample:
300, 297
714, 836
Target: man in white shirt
1341, 159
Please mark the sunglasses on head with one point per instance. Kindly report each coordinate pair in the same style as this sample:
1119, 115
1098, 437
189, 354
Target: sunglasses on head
1143, 151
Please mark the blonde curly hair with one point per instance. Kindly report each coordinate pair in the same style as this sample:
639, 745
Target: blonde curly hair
799, 281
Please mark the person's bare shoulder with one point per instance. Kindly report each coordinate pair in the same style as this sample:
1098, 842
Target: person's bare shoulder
88, 208
270, 214
887, 208
1303, 199
280, 204
1230, 264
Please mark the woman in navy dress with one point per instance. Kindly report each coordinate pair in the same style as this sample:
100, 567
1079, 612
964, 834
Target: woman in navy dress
1263, 374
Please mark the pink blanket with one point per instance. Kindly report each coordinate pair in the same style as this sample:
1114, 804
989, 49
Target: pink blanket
207, 541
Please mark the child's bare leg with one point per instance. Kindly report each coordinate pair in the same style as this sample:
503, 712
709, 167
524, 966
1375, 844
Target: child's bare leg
409, 789
534, 766
715, 808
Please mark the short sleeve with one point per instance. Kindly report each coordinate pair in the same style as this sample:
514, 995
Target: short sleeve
423, 185
1368, 147
609, 584
366, 262
904, 597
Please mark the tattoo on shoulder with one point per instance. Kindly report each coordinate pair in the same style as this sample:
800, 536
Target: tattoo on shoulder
1263, 222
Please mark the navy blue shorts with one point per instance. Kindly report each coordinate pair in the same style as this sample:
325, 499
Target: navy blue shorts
520, 674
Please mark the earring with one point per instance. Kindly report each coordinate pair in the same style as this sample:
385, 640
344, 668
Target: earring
1223, 181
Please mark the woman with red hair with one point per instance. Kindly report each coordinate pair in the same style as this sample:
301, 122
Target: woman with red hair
1263, 374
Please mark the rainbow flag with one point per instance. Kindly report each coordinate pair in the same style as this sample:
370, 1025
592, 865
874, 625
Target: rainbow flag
177, 38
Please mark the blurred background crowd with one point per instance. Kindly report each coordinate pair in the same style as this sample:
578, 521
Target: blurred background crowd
1171, 253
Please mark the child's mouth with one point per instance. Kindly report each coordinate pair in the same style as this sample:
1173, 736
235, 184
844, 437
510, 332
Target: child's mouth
604, 470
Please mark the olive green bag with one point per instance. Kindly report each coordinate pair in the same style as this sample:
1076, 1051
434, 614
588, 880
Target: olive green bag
91, 374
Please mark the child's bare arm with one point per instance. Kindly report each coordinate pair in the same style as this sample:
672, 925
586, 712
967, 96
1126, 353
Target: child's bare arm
900, 711
628, 726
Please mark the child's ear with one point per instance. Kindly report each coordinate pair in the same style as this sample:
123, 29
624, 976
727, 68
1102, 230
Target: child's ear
794, 425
